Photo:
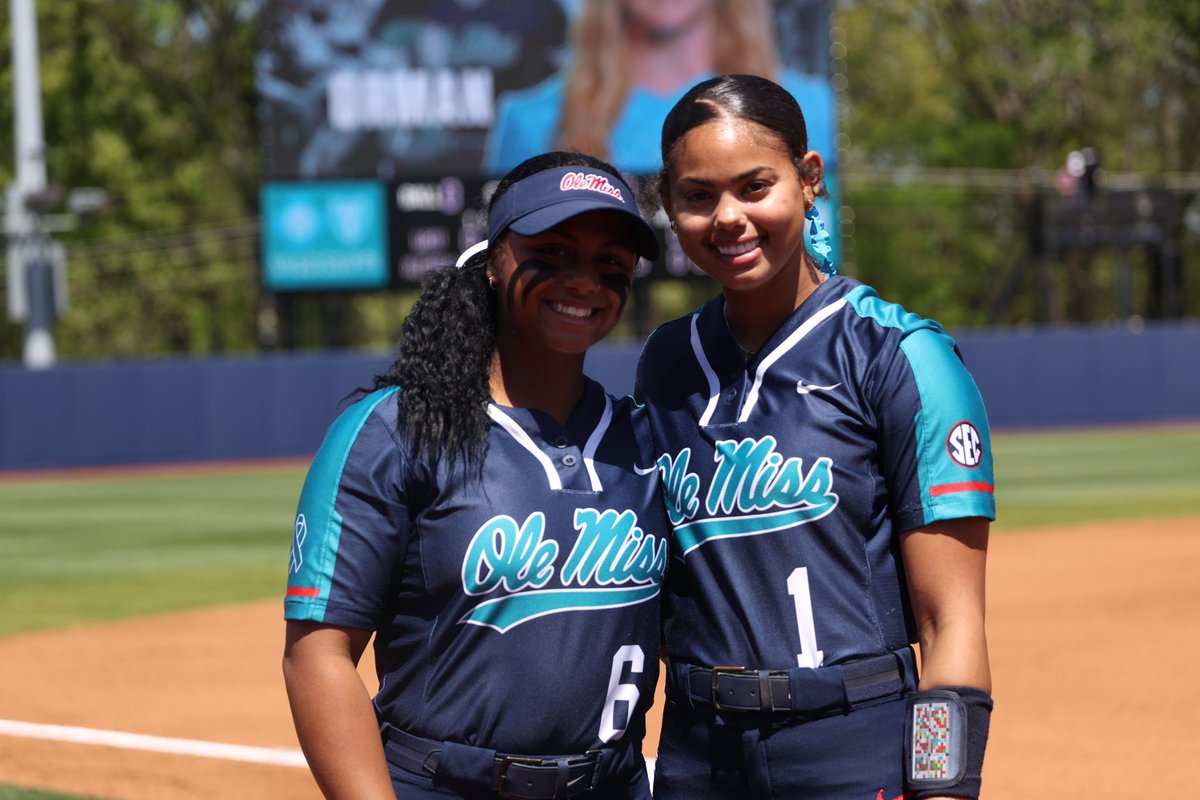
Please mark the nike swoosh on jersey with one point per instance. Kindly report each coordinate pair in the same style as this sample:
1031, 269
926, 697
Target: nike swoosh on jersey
806, 388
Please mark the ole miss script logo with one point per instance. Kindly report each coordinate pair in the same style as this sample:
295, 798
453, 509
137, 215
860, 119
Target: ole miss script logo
590, 181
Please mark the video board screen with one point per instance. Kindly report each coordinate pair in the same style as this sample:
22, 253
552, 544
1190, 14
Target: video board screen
450, 94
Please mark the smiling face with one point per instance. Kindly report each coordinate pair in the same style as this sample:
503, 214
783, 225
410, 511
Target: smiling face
738, 204
564, 289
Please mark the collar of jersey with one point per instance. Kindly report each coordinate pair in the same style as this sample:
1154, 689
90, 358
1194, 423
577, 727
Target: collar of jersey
588, 423
708, 326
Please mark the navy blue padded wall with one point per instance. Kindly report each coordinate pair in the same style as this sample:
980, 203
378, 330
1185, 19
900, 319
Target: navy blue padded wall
278, 405
164, 410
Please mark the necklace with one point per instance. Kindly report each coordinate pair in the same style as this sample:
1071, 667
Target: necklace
747, 355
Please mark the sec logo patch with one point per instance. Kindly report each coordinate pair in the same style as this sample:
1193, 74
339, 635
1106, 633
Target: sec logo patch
965, 445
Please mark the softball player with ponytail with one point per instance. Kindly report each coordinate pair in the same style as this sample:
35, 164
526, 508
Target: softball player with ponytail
828, 474
483, 514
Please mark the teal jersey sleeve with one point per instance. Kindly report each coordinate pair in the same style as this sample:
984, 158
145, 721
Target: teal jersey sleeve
951, 435
935, 442
350, 520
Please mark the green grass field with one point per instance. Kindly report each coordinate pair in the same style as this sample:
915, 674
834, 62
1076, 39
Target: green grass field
106, 546
1061, 477
20, 793
17, 793
119, 544
111, 545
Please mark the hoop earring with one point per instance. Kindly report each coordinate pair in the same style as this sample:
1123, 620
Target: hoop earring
491, 282
673, 228
819, 243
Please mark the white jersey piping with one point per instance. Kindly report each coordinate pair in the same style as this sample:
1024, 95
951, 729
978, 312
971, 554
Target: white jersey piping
787, 344
714, 386
523, 439
589, 450
593, 443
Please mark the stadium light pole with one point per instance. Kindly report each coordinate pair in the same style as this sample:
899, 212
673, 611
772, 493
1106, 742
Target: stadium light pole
30, 281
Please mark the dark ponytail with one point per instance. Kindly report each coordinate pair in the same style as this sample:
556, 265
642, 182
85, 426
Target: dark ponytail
442, 364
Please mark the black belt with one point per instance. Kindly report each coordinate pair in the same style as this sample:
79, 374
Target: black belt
797, 690
516, 777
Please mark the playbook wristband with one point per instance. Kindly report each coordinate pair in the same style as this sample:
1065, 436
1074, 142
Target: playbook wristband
945, 736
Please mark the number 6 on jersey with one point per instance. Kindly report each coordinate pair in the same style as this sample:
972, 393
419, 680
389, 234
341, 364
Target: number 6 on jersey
626, 693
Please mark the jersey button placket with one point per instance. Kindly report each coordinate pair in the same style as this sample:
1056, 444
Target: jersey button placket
568, 459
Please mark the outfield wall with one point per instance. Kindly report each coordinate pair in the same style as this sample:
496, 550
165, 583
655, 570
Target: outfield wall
272, 406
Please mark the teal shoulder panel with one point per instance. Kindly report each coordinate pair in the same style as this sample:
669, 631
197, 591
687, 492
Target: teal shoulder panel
954, 448
867, 303
318, 527
953, 442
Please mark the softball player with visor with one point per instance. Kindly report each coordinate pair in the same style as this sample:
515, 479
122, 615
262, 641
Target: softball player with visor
828, 475
482, 514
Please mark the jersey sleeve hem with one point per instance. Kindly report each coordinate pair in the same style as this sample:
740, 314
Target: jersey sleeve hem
967, 504
313, 610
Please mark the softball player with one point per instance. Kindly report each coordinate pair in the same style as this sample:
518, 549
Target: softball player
482, 513
828, 475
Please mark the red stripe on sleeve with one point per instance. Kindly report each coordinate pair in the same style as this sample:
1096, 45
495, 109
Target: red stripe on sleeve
964, 486
303, 591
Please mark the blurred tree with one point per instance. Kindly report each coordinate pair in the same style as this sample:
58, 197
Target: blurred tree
1018, 83
1000, 85
153, 100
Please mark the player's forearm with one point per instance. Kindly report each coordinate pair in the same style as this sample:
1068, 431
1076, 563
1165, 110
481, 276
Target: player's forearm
336, 725
946, 563
951, 709
954, 653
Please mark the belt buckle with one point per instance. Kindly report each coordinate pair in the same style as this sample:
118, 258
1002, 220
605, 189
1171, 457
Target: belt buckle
504, 762
589, 758
715, 673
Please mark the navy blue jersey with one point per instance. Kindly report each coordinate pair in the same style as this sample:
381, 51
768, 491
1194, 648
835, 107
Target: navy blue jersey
789, 478
516, 607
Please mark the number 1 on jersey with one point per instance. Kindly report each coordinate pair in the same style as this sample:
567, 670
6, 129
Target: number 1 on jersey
797, 586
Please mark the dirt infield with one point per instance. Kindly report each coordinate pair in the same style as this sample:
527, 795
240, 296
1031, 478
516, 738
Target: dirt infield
1093, 630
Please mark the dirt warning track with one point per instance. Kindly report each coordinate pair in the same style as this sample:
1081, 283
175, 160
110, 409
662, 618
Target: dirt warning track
1092, 631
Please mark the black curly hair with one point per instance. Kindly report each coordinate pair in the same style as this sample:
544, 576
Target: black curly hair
443, 362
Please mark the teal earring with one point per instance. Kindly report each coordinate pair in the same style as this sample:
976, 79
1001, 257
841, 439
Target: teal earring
819, 243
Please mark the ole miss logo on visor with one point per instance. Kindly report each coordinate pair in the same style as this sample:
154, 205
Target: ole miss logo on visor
592, 182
